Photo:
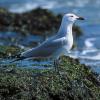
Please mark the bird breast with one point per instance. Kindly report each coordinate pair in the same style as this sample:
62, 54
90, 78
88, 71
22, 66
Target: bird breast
68, 43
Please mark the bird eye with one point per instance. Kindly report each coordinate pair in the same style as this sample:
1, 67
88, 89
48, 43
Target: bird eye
71, 16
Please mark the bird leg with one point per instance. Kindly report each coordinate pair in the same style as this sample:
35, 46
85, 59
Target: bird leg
56, 65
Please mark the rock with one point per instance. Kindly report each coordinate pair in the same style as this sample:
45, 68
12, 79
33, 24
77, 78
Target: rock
38, 21
73, 82
7, 51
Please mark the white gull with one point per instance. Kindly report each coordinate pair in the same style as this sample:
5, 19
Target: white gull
57, 45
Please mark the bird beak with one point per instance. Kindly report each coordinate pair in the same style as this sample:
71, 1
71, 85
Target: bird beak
80, 18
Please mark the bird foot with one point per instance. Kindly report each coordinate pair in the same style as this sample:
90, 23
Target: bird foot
56, 65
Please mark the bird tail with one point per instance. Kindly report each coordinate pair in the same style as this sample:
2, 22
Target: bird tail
17, 58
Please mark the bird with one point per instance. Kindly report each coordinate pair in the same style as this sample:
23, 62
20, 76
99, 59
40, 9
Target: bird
55, 46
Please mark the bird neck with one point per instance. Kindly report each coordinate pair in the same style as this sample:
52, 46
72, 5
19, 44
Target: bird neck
65, 28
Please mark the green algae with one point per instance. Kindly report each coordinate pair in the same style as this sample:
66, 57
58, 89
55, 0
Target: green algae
6, 51
73, 82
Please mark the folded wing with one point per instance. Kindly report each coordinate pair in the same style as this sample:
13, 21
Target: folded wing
44, 50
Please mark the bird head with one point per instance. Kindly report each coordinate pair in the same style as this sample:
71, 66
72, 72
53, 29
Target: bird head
72, 17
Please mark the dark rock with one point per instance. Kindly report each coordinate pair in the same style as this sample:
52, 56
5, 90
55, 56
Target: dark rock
38, 21
76, 83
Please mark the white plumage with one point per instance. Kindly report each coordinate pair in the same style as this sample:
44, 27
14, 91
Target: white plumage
57, 45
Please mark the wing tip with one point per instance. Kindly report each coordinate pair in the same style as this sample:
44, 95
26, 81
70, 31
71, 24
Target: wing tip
17, 58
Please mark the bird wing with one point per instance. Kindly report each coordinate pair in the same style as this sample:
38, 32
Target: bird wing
46, 49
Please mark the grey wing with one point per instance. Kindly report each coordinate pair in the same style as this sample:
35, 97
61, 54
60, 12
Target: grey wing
46, 49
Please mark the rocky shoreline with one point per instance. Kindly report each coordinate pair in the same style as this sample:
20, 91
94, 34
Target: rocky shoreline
74, 81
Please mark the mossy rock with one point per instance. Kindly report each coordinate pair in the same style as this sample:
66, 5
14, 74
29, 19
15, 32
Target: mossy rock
73, 82
38, 21
6, 51
3, 10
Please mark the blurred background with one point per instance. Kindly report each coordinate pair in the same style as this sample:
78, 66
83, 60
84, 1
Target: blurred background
88, 8
14, 13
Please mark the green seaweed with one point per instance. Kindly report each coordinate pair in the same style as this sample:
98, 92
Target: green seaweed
6, 51
73, 82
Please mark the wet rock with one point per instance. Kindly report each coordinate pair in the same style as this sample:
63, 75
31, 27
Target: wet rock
38, 21
73, 82
7, 51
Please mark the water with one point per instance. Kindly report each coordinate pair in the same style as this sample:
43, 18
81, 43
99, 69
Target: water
88, 50
13, 38
28, 63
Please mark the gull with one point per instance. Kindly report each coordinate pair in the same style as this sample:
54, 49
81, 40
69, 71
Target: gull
57, 45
